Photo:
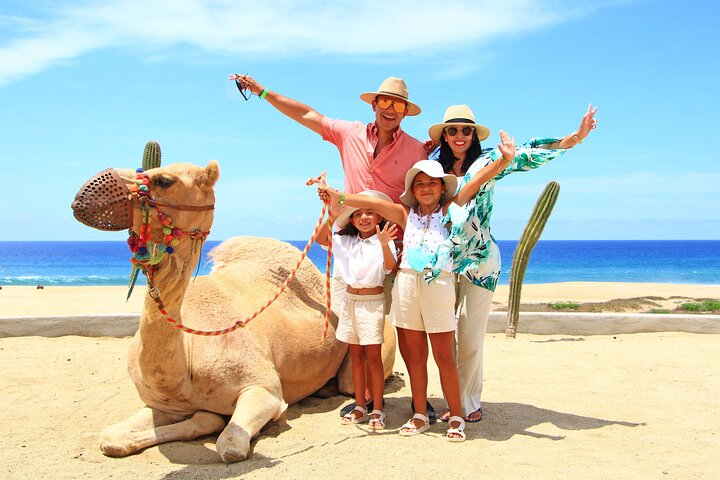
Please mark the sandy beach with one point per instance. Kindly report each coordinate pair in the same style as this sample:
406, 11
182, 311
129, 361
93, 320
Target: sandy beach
644, 405
22, 301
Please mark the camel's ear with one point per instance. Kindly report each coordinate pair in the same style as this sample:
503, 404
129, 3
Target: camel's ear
211, 174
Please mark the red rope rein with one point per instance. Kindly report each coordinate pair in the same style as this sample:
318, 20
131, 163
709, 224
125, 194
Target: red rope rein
155, 293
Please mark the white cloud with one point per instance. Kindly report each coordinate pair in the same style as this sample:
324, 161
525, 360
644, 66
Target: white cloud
274, 27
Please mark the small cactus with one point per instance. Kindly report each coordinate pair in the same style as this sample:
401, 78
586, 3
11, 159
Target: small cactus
151, 155
528, 239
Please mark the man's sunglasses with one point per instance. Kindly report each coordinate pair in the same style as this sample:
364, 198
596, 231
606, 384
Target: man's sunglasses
398, 105
452, 131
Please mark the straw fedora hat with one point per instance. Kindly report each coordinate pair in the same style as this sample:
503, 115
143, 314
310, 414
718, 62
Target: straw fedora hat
458, 115
344, 218
392, 87
434, 169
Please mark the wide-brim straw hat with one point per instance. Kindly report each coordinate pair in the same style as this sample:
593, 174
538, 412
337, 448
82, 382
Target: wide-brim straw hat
396, 88
458, 115
433, 169
344, 218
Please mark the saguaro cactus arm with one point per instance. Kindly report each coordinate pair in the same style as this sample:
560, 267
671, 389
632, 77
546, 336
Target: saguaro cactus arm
528, 239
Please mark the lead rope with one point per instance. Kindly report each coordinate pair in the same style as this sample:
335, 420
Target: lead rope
155, 293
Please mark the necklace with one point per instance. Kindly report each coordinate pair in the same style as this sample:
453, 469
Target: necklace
425, 221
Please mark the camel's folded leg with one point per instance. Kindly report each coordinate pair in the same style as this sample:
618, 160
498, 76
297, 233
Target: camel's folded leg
255, 407
150, 427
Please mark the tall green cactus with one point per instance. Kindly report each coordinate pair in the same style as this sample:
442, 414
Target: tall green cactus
528, 239
151, 155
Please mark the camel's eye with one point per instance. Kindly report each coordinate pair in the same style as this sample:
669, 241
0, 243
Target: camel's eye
164, 182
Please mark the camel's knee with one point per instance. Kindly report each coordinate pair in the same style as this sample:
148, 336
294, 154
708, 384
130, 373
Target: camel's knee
255, 407
233, 444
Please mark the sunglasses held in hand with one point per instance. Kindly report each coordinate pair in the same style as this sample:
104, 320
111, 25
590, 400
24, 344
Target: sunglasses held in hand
242, 86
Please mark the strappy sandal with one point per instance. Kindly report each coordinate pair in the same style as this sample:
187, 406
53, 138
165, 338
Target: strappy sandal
377, 423
459, 430
350, 418
409, 429
469, 419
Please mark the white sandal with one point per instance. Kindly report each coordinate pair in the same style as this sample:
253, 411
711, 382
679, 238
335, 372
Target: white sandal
412, 429
377, 423
350, 419
459, 430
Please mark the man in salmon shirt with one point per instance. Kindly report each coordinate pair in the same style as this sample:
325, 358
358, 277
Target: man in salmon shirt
375, 156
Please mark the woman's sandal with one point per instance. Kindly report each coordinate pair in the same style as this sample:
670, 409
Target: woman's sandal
409, 429
478, 416
351, 419
459, 430
377, 420
468, 418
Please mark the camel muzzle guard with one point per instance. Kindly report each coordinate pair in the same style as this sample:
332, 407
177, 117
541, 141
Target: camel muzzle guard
104, 202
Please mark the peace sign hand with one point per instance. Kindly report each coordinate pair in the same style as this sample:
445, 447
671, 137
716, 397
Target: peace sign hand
587, 123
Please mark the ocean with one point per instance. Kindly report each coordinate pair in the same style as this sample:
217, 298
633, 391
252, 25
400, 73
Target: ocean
644, 261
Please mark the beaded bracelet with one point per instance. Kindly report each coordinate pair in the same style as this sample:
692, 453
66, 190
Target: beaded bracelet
342, 199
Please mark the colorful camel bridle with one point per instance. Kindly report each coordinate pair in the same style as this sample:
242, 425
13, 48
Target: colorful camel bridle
105, 202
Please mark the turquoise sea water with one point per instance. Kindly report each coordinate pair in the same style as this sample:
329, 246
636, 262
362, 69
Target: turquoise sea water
108, 263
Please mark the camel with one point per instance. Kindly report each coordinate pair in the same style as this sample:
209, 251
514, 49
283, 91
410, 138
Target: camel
191, 383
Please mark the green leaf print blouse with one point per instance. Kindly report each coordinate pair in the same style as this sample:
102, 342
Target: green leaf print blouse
475, 252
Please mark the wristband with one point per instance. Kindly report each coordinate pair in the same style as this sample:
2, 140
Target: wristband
342, 199
576, 138
264, 93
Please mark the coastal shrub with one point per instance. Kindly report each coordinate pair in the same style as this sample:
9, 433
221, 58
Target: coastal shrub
704, 306
564, 306
659, 310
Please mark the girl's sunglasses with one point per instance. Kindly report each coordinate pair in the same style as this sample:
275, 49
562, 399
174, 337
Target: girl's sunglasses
452, 131
398, 105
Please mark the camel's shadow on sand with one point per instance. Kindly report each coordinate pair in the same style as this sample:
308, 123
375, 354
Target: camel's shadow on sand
501, 422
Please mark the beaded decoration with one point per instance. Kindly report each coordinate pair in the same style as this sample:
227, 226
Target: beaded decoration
147, 253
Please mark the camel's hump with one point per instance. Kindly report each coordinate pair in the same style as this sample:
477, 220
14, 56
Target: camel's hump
271, 253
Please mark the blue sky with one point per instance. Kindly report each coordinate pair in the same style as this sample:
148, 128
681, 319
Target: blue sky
83, 86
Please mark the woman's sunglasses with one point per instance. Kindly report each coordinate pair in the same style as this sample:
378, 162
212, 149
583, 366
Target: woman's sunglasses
452, 131
398, 105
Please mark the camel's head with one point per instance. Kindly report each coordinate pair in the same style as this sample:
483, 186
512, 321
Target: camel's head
115, 199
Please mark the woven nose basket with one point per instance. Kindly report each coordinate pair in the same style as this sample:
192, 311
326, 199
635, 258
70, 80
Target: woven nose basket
104, 202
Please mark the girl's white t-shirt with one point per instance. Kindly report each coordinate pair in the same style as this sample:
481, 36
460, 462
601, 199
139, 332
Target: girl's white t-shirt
360, 262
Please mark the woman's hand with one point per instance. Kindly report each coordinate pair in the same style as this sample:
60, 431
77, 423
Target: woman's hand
246, 81
587, 123
429, 146
507, 147
387, 234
